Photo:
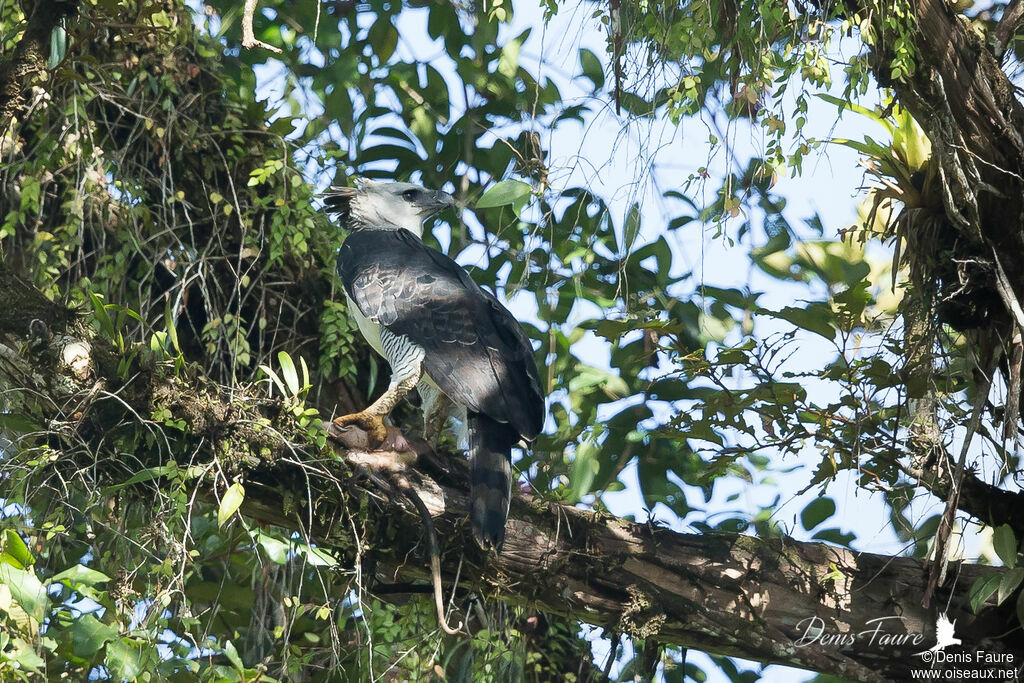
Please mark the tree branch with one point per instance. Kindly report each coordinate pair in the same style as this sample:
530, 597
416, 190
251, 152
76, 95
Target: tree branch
773, 600
1008, 26
249, 39
29, 57
988, 504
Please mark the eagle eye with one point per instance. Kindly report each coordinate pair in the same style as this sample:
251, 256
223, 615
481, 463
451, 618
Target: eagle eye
410, 195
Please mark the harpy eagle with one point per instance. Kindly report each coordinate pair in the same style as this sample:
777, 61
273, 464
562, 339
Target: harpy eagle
441, 333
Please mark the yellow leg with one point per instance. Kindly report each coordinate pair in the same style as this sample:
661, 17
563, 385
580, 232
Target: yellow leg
406, 361
370, 423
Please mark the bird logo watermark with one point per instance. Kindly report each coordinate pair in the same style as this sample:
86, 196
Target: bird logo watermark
945, 636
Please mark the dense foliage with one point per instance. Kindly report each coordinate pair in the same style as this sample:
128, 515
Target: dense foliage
146, 184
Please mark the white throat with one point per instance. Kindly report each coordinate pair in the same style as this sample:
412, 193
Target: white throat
378, 212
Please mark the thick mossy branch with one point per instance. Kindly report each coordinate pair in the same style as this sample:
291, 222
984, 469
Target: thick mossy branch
761, 599
28, 61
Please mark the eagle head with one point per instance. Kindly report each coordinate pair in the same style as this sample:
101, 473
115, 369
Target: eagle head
373, 205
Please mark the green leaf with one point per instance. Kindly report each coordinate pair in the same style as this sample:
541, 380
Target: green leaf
584, 468
58, 47
125, 658
318, 557
106, 325
148, 474
19, 423
835, 537
273, 380
630, 229
230, 503
15, 549
817, 512
1005, 544
291, 377
1011, 579
982, 590
89, 634
588, 377
80, 575
512, 193
26, 589
508, 62
232, 654
24, 655
172, 330
590, 67
843, 103
276, 550
815, 319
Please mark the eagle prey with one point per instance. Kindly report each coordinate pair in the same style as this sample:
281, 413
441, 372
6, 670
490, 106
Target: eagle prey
441, 333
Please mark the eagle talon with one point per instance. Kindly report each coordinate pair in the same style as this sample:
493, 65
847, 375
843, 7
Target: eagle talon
372, 424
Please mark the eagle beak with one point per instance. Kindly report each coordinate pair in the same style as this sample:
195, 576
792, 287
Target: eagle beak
443, 200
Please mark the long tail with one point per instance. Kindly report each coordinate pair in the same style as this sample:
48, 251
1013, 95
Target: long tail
490, 466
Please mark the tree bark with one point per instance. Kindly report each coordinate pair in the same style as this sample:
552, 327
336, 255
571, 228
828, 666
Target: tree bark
28, 60
968, 107
774, 600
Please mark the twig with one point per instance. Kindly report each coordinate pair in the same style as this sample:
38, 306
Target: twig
1011, 413
403, 485
616, 29
249, 40
1007, 27
611, 656
651, 659
937, 573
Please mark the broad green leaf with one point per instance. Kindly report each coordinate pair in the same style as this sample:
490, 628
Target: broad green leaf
816, 512
230, 503
274, 380
835, 537
812, 319
80, 575
15, 549
58, 47
291, 377
18, 423
26, 590
508, 62
591, 67
588, 377
318, 557
505, 193
1005, 544
171, 328
24, 655
232, 654
852, 106
100, 310
125, 658
89, 634
983, 589
1009, 583
276, 550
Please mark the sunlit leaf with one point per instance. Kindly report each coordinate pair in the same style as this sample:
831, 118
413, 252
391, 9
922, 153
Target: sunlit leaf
230, 502
1004, 541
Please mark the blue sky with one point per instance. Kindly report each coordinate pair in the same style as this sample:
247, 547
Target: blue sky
637, 161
